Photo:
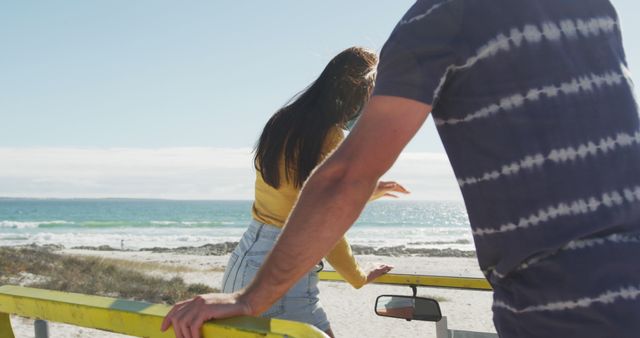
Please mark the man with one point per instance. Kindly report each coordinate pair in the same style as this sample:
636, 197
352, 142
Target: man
535, 107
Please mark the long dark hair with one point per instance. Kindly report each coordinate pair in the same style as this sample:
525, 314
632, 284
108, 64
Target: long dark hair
298, 130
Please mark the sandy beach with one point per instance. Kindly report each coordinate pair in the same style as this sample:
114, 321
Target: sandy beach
350, 311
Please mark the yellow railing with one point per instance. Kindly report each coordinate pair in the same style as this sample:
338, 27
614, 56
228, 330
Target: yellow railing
143, 319
128, 317
465, 283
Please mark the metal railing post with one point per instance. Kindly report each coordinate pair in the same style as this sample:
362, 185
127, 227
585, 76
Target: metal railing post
442, 331
42, 328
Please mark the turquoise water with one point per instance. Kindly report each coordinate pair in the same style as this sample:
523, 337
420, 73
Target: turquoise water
164, 223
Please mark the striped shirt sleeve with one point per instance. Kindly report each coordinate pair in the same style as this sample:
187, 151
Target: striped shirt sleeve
415, 58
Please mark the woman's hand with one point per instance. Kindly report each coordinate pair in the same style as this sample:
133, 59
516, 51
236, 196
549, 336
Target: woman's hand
377, 271
387, 188
187, 317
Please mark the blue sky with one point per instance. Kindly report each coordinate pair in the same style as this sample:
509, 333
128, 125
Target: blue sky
164, 74
144, 73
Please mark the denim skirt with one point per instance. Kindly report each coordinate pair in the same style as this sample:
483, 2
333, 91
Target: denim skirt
301, 303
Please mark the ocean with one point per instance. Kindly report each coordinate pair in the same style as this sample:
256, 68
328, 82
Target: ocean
137, 224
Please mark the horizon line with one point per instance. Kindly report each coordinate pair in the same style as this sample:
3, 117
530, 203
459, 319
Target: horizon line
197, 200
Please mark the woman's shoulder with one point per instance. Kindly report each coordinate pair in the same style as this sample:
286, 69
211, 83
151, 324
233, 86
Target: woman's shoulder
335, 135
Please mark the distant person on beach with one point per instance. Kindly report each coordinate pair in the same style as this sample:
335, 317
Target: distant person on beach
294, 141
535, 107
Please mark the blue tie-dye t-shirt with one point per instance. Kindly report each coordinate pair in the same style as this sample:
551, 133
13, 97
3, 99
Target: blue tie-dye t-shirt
535, 107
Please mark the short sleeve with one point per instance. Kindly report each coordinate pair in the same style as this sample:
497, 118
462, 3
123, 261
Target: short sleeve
415, 58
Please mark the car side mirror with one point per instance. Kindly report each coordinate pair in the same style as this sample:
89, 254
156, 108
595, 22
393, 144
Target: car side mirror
408, 307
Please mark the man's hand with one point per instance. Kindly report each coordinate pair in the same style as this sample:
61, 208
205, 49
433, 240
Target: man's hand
187, 317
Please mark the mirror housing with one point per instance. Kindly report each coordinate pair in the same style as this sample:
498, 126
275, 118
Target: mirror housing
408, 307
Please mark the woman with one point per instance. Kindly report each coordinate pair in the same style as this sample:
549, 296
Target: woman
294, 141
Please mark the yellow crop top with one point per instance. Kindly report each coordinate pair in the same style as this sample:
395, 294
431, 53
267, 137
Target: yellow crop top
272, 206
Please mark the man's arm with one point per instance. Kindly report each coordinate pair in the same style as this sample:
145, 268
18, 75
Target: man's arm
330, 202
335, 194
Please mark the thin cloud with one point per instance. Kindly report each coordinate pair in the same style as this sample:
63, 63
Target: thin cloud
177, 173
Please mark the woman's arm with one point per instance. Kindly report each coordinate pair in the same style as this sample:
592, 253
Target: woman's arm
341, 258
386, 189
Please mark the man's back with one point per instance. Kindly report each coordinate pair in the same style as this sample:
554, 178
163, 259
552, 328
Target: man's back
535, 107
